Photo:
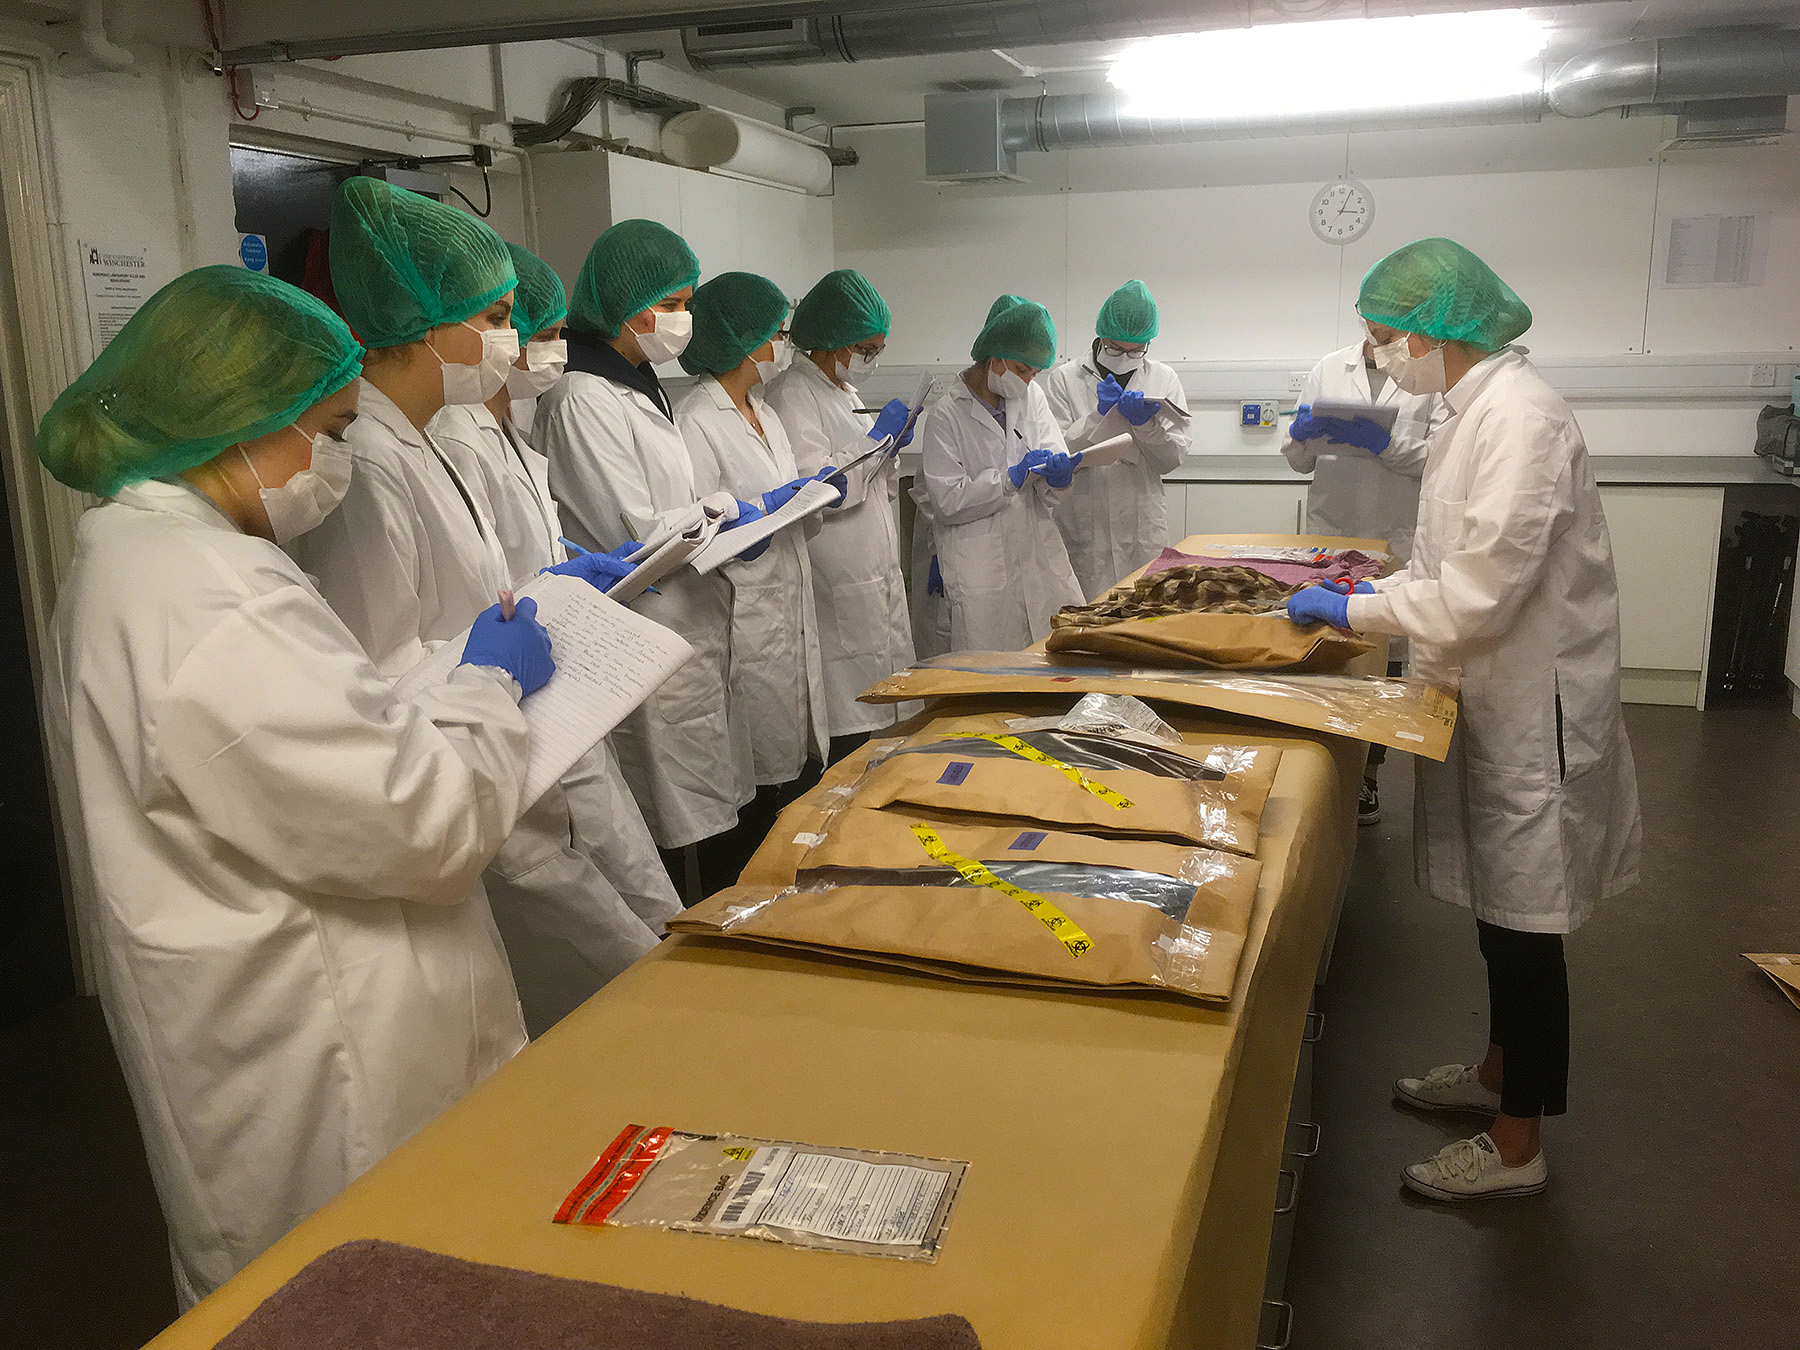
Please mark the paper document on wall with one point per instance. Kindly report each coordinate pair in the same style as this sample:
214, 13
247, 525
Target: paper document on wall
1382, 414
608, 661
729, 544
1112, 450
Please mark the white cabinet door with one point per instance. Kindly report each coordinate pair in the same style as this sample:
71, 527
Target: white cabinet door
1665, 548
1245, 508
1175, 497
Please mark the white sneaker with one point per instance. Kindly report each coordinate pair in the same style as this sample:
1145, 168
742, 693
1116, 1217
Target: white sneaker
1449, 1087
1470, 1169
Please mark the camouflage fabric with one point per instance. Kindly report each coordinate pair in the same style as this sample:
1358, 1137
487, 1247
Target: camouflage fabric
1181, 590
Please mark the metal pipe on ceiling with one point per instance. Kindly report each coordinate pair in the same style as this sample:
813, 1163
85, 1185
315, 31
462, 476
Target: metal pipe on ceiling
1652, 71
869, 33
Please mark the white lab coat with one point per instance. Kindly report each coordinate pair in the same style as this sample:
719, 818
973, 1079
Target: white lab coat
865, 634
620, 470
777, 675
1511, 597
1353, 492
514, 483
408, 561
1005, 568
293, 950
1115, 520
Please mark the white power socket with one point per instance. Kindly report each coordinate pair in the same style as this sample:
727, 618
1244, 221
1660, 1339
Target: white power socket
1296, 381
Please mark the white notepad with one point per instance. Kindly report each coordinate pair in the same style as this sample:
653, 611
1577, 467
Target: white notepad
608, 661
729, 544
1112, 450
1384, 415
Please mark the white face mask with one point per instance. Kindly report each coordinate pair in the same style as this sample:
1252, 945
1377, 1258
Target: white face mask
767, 370
860, 367
1415, 374
1008, 384
544, 365
1118, 361
310, 495
480, 382
669, 338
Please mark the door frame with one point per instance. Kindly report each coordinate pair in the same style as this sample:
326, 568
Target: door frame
40, 353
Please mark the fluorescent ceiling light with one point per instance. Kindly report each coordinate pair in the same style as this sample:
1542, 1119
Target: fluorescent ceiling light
1341, 65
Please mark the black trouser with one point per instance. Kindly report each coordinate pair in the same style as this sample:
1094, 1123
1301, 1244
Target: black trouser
1528, 1018
724, 856
843, 745
1378, 753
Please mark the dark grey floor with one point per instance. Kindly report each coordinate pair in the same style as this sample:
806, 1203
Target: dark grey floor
1670, 1216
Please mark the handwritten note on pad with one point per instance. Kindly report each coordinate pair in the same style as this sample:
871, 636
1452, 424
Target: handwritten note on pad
728, 544
608, 661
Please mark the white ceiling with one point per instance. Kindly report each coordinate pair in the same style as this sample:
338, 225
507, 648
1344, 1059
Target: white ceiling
894, 89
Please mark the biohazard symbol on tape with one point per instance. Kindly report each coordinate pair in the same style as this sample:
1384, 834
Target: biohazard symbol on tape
1068, 771
975, 874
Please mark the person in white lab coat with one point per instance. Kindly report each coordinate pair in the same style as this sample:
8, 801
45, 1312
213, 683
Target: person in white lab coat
994, 464
284, 907
1115, 520
738, 446
411, 557
1365, 479
620, 470
865, 634
512, 481
1510, 597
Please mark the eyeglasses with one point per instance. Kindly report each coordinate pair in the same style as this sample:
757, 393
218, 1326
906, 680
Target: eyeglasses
1113, 349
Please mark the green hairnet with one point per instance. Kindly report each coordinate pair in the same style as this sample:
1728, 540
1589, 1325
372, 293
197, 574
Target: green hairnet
218, 356
632, 266
1017, 330
1437, 288
734, 314
1003, 303
1129, 315
402, 264
539, 301
841, 310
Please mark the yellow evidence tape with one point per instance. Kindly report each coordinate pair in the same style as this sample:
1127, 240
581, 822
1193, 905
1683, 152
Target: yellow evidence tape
1108, 795
975, 874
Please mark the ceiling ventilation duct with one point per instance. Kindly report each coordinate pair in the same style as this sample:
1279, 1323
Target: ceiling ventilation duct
1716, 81
710, 139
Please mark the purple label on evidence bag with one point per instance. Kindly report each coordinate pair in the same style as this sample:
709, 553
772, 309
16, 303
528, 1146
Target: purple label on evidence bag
1028, 840
955, 771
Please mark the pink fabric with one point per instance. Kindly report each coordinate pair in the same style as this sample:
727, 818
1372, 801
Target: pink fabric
1350, 563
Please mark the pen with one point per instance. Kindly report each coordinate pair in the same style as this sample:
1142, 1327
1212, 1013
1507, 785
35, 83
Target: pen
574, 548
506, 605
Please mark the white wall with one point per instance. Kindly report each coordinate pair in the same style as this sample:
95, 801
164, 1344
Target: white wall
1565, 211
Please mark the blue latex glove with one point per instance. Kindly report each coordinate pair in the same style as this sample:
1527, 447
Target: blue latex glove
1110, 393
1343, 587
1059, 468
602, 570
832, 476
934, 580
1362, 432
1136, 409
1305, 426
1034, 459
777, 497
1319, 602
518, 645
746, 514
891, 421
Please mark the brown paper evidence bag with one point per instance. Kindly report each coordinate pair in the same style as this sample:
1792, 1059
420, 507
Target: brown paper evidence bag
1148, 863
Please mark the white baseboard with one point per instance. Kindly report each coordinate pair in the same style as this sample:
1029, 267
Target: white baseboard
1674, 688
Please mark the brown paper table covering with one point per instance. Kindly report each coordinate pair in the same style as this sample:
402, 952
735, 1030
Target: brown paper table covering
1123, 1148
